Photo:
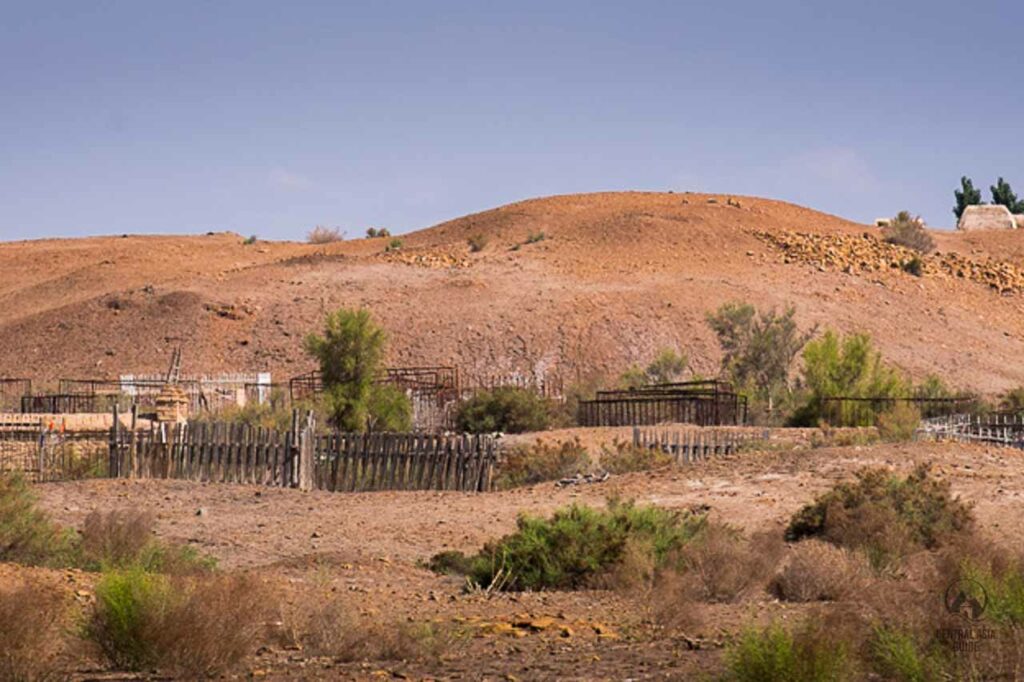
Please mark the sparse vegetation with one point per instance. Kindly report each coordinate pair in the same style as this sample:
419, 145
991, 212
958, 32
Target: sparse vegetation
477, 242
913, 266
124, 538
666, 367
848, 367
884, 516
575, 546
773, 654
539, 462
333, 630
820, 571
194, 628
375, 232
720, 565
623, 457
394, 244
899, 423
759, 350
506, 409
32, 622
907, 230
350, 354
250, 240
322, 234
535, 237
27, 535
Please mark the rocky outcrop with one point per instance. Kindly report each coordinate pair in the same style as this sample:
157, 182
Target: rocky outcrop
867, 254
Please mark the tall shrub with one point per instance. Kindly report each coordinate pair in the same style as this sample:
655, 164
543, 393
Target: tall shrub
350, 354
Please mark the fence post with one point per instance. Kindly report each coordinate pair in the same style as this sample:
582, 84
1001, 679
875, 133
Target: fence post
113, 470
307, 438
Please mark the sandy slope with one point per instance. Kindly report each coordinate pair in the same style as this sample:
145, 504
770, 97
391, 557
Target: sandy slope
618, 276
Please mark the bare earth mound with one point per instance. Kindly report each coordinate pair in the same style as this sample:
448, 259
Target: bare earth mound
615, 277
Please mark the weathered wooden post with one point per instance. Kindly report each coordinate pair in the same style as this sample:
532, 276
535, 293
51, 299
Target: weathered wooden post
307, 442
115, 437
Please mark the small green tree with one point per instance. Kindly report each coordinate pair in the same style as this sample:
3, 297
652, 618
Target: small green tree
758, 348
666, 367
847, 367
966, 196
1004, 196
350, 354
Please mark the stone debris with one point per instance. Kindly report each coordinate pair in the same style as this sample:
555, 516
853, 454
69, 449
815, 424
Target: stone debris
580, 479
431, 260
867, 254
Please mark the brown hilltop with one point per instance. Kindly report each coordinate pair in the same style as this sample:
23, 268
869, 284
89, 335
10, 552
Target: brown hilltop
617, 276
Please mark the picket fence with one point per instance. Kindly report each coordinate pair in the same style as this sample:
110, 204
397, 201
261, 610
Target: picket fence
696, 444
303, 458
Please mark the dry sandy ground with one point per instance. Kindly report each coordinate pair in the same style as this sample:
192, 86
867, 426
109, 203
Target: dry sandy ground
618, 276
369, 548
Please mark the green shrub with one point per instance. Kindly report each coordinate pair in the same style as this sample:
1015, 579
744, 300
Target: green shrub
847, 367
1005, 589
667, 366
913, 266
884, 516
393, 245
899, 423
575, 546
131, 607
623, 457
507, 409
774, 655
27, 535
539, 462
374, 232
535, 237
193, 628
250, 240
895, 655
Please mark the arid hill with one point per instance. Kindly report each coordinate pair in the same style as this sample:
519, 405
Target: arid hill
566, 285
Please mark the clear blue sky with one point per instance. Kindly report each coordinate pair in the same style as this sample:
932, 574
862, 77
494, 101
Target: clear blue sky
272, 117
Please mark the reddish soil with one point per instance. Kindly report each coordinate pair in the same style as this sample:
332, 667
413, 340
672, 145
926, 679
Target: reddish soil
618, 276
369, 548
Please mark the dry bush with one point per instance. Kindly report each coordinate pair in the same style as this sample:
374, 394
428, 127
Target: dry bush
723, 565
115, 538
332, 630
899, 423
542, 461
819, 571
885, 516
324, 235
190, 627
906, 230
31, 633
623, 457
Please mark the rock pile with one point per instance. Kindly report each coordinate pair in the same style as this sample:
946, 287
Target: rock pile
867, 253
431, 260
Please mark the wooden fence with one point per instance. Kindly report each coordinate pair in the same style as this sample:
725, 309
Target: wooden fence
698, 403
998, 429
41, 453
696, 444
302, 458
